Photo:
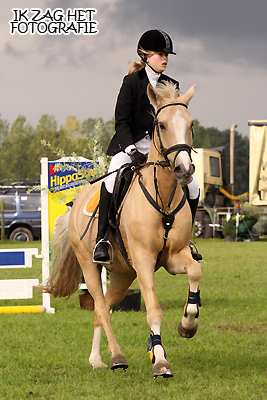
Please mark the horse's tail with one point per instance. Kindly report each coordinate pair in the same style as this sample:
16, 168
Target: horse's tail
66, 273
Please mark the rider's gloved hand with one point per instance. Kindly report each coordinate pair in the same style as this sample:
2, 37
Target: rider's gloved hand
137, 158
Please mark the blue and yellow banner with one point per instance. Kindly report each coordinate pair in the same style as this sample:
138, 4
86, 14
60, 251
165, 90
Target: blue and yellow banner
63, 185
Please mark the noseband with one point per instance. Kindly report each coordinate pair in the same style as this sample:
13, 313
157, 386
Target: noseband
177, 147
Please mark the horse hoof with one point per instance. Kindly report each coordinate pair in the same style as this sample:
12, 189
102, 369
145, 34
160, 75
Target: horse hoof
162, 369
97, 364
187, 333
118, 362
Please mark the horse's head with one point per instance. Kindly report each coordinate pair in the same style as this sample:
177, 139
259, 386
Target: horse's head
173, 136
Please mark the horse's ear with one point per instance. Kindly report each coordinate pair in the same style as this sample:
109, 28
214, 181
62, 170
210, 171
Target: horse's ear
185, 98
153, 96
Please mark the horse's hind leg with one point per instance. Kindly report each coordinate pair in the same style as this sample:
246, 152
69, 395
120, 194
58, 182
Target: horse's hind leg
119, 283
115, 294
92, 276
95, 357
117, 290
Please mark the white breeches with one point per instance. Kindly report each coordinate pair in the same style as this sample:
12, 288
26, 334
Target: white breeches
121, 158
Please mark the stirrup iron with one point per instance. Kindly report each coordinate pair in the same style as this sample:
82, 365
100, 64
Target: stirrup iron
112, 253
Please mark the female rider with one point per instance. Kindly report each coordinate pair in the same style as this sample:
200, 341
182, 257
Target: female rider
134, 124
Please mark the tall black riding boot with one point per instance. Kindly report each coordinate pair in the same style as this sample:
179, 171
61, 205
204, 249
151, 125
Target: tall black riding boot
193, 203
101, 249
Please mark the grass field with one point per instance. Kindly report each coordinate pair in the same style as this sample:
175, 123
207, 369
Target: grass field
46, 356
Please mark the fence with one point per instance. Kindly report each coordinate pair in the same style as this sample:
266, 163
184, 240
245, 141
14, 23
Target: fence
18, 288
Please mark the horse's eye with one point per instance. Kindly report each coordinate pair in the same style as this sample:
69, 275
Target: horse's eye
161, 125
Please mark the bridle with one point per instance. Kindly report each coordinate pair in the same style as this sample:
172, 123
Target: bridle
177, 147
168, 216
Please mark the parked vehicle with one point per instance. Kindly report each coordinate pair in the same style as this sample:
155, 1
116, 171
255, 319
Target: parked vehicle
22, 213
213, 207
215, 204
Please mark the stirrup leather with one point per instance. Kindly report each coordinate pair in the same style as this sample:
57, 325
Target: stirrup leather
112, 253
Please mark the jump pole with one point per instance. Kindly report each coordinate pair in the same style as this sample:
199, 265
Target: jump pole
21, 309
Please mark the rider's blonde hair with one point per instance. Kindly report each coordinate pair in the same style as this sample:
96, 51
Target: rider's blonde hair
137, 66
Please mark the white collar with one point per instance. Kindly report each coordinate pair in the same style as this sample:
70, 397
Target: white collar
153, 79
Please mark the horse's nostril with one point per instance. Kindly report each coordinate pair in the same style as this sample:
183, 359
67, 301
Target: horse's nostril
178, 170
181, 172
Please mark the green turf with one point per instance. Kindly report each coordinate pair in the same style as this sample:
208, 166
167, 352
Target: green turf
46, 356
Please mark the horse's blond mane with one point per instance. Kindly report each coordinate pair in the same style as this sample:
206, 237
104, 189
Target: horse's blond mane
167, 89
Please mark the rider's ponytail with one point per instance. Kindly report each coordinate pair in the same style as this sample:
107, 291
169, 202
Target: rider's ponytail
137, 66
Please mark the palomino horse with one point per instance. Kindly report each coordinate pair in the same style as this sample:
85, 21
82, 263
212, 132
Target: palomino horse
145, 229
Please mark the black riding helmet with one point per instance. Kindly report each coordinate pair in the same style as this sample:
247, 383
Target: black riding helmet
155, 40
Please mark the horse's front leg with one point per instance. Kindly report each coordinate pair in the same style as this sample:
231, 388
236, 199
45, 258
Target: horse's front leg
145, 276
119, 283
184, 263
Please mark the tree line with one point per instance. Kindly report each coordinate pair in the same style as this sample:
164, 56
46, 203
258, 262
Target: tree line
22, 146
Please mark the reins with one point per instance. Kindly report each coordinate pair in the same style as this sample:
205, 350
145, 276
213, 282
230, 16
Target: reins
92, 181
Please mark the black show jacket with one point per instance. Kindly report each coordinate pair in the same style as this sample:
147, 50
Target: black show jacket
133, 118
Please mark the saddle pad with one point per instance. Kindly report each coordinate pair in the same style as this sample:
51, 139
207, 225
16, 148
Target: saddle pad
91, 204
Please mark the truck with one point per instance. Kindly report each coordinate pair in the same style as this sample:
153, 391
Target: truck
215, 202
211, 174
258, 171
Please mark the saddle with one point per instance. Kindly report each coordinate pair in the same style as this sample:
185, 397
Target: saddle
92, 204
122, 183
121, 187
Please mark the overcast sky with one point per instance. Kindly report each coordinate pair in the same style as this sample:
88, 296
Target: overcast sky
221, 46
